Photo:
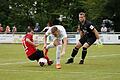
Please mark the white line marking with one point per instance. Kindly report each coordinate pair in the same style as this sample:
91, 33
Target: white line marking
60, 71
13, 63
10, 63
105, 55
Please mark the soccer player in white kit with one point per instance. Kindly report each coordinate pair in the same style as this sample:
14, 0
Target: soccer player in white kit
60, 37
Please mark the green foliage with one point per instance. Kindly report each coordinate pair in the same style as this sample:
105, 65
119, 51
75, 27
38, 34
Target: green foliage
94, 9
112, 10
28, 12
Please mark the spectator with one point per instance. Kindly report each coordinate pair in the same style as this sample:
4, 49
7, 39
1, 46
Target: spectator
107, 23
7, 30
103, 28
37, 28
14, 29
1, 28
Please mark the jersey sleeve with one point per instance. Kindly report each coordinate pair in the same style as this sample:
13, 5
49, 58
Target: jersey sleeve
91, 27
48, 32
64, 32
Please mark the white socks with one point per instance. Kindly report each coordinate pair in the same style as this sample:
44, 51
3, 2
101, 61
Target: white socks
58, 51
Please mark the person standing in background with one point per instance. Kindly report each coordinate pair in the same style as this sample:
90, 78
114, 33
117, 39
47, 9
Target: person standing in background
14, 29
7, 30
37, 28
1, 28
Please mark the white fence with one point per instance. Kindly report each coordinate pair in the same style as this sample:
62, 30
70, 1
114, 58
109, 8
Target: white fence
108, 38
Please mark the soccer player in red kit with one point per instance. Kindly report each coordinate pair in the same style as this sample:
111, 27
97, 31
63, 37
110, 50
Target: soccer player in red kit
30, 48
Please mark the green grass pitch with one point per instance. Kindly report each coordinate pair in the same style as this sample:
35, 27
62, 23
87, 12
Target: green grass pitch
102, 63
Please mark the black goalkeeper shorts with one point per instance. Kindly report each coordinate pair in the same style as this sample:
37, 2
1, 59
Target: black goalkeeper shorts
87, 39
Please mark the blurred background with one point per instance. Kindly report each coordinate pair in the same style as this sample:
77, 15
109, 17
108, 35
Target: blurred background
24, 13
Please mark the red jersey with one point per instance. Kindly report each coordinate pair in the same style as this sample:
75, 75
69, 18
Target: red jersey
29, 49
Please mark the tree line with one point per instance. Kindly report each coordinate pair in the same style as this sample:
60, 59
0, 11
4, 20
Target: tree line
23, 13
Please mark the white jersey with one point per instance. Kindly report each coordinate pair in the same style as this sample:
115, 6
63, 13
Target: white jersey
62, 30
46, 28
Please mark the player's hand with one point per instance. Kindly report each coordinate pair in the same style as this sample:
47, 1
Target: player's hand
98, 42
62, 54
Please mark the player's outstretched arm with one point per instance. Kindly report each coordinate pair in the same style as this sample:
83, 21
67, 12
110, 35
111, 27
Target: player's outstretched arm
65, 40
96, 33
98, 42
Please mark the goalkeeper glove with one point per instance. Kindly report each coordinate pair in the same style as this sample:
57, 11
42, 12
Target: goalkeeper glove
98, 42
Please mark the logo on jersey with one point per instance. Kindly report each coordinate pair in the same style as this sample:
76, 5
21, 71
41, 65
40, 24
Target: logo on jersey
91, 27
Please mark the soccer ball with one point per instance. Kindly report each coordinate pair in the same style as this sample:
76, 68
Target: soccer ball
42, 62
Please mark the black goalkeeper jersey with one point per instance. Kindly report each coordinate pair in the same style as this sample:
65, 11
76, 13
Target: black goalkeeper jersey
87, 28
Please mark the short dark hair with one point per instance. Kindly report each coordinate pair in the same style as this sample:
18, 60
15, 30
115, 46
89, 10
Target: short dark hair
28, 30
54, 29
82, 13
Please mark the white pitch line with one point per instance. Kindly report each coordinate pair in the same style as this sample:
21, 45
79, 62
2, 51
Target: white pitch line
59, 71
10, 63
13, 63
105, 55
